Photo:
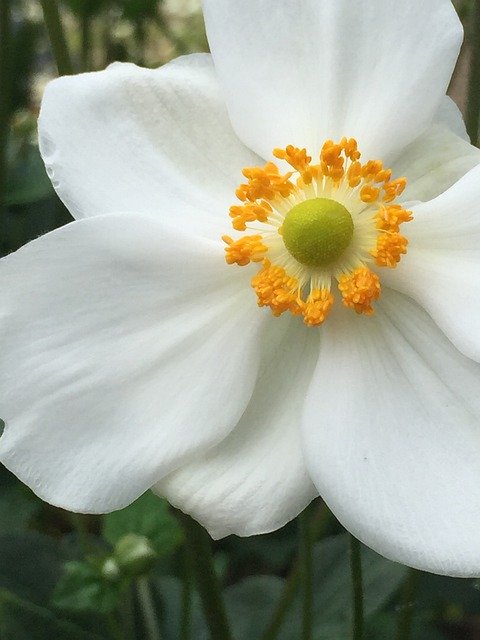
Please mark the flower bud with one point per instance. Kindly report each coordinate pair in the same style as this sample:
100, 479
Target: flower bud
134, 554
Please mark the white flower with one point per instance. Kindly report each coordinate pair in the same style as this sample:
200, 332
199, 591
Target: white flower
133, 356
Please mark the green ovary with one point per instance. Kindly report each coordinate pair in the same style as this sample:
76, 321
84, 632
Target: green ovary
317, 232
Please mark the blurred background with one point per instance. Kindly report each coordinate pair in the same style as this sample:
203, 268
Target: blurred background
128, 575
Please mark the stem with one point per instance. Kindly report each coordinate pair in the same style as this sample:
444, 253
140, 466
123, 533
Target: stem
186, 598
357, 588
473, 104
147, 606
407, 605
114, 627
318, 527
5, 102
305, 563
86, 28
80, 525
284, 604
56, 36
200, 553
127, 615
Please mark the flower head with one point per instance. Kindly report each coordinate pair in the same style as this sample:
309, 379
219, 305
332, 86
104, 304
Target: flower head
328, 343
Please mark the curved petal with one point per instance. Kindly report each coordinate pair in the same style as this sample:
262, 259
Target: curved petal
132, 139
434, 162
302, 71
120, 341
391, 433
255, 481
441, 270
450, 116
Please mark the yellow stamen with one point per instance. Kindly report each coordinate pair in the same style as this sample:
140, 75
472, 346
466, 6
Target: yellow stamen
266, 183
389, 250
251, 212
394, 189
317, 307
245, 250
369, 194
390, 218
359, 289
276, 289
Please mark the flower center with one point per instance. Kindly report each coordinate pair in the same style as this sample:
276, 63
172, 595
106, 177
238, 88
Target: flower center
317, 232
333, 221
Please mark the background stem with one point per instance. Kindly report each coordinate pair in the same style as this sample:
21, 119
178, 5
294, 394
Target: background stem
86, 29
318, 526
407, 605
56, 36
357, 588
305, 557
473, 103
201, 559
147, 606
5, 102
186, 597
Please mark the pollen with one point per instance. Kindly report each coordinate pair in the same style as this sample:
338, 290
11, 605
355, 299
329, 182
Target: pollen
359, 290
325, 223
245, 250
389, 250
276, 289
317, 307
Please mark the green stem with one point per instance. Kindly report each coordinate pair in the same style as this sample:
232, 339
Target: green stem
407, 605
147, 606
318, 527
5, 104
80, 524
473, 104
56, 36
200, 554
86, 28
305, 562
186, 598
357, 588
127, 615
284, 604
114, 627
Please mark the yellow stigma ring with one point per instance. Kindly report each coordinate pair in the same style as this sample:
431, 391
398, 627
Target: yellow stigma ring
317, 232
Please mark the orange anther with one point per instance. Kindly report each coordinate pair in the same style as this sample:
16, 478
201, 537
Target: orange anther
359, 290
389, 250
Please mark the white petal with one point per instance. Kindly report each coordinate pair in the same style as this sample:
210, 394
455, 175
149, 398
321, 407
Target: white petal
450, 116
434, 162
442, 267
391, 429
255, 481
132, 139
302, 71
121, 340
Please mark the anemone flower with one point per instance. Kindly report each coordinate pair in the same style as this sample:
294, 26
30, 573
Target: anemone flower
326, 344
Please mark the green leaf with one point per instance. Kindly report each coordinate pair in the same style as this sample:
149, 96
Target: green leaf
82, 588
435, 593
251, 603
20, 620
168, 593
148, 516
385, 625
17, 507
30, 565
332, 580
138, 9
332, 605
27, 179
